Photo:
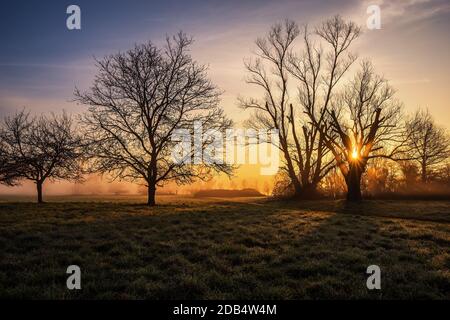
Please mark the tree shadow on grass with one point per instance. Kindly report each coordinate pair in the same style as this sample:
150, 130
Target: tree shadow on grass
438, 211
223, 250
331, 261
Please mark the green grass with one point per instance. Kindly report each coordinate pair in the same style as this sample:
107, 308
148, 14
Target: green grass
222, 249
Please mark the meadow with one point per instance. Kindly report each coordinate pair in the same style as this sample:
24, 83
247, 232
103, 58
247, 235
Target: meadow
240, 248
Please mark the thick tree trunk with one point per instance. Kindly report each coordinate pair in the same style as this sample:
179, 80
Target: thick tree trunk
353, 181
290, 167
295, 182
297, 187
39, 191
151, 191
308, 191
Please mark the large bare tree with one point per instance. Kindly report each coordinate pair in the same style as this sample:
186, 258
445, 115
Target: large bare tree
313, 75
137, 101
39, 148
367, 121
429, 144
269, 72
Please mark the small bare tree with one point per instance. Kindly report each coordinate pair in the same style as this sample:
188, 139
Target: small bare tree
138, 99
7, 169
367, 121
429, 144
39, 148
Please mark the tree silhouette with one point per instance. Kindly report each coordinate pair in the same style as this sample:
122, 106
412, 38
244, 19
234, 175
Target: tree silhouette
137, 100
429, 144
367, 120
39, 148
7, 168
316, 72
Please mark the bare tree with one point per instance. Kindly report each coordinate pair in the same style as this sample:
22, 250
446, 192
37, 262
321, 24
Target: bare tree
444, 173
137, 100
380, 176
272, 111
429, 144
317, 72
7, 166
367, 121
40, 148
410, 174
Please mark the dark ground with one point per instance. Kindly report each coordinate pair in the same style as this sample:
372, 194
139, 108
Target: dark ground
221, 249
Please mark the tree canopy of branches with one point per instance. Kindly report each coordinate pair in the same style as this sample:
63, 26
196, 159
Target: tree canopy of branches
137, 100
317, 70
367, 121
429, 144
39, 148
7, 168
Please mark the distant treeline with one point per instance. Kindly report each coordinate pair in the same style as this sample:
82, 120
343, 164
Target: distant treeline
225, 193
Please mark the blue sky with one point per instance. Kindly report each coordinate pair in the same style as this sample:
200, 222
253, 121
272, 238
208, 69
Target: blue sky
41, 61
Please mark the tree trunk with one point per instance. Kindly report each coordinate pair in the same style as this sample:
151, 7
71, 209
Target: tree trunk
308, 191
424, 172
291, 172
353, 181
151, 191
39, 191
297, 188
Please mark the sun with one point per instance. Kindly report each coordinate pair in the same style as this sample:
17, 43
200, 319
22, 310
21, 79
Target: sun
355, 154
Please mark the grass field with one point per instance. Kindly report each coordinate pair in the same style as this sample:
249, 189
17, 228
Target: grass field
223, 249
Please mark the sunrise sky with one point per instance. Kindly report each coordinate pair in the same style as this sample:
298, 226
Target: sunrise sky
41, 61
